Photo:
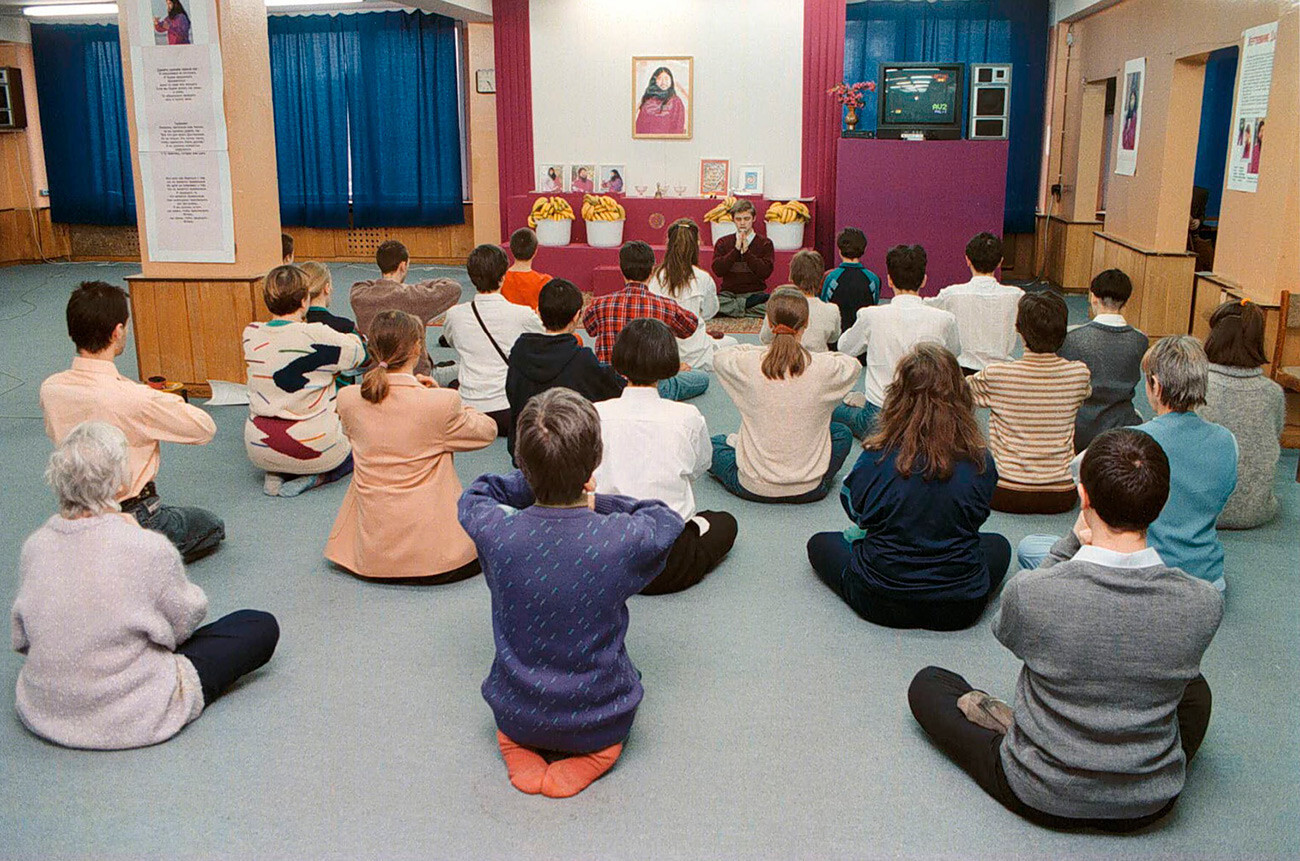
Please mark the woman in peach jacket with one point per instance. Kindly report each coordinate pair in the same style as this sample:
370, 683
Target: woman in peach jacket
398, 519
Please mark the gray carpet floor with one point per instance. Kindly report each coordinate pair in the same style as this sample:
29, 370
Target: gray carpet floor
775, 723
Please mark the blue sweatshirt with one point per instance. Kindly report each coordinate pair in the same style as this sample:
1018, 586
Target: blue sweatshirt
560, 579
922, 536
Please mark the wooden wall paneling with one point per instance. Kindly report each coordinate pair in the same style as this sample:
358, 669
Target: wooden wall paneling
144, 319
175, 348
197, 323
224, 312
1107, 254
1168, 288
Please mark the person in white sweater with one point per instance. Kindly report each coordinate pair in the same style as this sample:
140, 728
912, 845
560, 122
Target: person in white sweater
108, 621
681, 279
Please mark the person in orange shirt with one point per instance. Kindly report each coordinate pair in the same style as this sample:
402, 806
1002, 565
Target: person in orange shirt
522, 285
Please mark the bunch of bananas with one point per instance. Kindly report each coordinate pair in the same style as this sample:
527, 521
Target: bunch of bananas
721, 212
600, 207
550, 209
788, 212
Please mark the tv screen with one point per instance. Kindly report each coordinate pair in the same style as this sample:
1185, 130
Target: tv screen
921, 95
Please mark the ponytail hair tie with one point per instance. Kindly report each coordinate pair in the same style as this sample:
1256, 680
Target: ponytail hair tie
383, 365
1244, 301
783, 329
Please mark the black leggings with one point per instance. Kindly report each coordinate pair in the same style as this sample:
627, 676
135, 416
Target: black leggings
455, 575
694, 555
230, 647
933, 698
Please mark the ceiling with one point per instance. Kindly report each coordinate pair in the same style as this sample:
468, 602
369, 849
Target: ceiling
463, 10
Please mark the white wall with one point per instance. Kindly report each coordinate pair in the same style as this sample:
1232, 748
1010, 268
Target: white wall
748, 85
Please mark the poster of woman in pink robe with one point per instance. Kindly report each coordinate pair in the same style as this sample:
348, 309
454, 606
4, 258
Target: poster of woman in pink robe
1259, 145
661, 92
1128, 138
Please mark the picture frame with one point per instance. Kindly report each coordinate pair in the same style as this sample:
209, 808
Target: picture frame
583, 177
749, 179
663, 98
612, 179
552, 178
715, 174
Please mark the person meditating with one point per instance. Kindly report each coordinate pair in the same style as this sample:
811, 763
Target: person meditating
744, 261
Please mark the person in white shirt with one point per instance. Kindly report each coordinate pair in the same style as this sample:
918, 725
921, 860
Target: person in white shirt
985, 309
681, 279
807, 269
886, 332
483, 330
655, 448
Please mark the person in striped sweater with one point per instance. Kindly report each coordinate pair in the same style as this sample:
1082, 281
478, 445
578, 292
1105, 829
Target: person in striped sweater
1033, 403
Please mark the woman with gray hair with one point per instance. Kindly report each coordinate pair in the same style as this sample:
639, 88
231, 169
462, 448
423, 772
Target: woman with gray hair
1202, 464
108, 620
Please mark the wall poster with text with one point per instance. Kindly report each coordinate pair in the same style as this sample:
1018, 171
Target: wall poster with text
1254, 78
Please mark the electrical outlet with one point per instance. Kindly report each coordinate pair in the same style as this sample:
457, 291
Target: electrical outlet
44, 192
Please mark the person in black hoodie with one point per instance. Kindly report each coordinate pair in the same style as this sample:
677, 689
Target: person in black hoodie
557, 358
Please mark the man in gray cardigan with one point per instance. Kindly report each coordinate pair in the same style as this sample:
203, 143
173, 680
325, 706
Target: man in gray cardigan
1111, 704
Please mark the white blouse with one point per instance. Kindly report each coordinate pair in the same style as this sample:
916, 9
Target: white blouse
700, 298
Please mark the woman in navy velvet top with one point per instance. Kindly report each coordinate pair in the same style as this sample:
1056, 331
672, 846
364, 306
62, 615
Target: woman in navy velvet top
918, 494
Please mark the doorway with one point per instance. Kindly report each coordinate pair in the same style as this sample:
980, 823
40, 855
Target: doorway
1211, 155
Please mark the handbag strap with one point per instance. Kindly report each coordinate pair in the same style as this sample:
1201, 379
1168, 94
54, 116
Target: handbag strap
483, 326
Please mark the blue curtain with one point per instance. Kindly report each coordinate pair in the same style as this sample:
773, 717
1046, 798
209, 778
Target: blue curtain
405, 121
1216, 119
964, 31
310, 60
83, 123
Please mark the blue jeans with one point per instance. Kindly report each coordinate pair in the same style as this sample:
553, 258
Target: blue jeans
195, 531
724, 468
861, 420
1033, 549
684, 386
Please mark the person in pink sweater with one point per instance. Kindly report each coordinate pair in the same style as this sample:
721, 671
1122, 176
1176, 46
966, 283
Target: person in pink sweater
108, 621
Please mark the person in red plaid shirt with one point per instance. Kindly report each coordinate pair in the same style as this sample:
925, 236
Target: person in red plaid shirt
607, 316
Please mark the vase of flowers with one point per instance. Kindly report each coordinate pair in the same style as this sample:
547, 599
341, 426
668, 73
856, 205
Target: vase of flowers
850, 98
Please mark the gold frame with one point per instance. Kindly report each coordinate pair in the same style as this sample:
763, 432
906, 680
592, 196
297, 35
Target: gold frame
690, 107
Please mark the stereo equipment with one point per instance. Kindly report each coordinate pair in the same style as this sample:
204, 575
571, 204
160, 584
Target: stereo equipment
990, 101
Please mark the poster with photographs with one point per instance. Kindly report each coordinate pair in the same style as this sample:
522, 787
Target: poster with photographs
662, 102
1254, 79
612, 178
551, 177
176, 22
1129, 116
582, 177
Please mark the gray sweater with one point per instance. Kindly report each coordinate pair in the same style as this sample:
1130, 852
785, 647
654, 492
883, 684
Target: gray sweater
1253, 407
1109, 642
1114, 356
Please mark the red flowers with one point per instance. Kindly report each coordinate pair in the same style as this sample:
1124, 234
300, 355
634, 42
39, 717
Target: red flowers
850, 95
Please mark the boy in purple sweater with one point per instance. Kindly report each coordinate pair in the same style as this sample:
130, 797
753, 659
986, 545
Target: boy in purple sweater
561, 563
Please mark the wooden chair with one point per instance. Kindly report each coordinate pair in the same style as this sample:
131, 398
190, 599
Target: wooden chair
1287, 377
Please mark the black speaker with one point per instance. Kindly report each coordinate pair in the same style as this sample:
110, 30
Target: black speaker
990, 101
13, 111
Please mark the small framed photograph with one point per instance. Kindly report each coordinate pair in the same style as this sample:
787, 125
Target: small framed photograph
749, 179
582, 177
551, 178
612, 178
714, 176
662, 103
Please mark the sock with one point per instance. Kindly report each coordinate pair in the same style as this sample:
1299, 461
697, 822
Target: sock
567, 777
525, 767
295, 486
272, 483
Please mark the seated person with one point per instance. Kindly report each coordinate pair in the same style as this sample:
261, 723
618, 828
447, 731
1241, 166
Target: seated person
886, 332
1113, 351
93, 390
655, 449
744, 260
398, 520
562, 687
293, 430
541, 361
681, 279
483, 331
1250, 405
788, 448
1110, 704
806, 268
607, 315
522, 283
1033, 402
1202, 464
286, 249
985, 309
850, 286
320, 287
135, 669
918, 496
427, 300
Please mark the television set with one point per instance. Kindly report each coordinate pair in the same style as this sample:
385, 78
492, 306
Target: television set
920, 98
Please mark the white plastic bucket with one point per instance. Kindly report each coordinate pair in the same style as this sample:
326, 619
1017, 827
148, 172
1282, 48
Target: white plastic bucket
785, 237
605, 234
720, 229
552, 232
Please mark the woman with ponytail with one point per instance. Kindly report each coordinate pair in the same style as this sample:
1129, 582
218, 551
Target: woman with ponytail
681, 279
788, 449
398, 520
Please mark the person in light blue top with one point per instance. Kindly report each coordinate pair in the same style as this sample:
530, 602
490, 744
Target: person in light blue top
1202, 464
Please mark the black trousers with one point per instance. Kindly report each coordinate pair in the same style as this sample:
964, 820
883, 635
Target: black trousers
230, 647
455, 575
502, 418
695, 555
933, 697
1034, 501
